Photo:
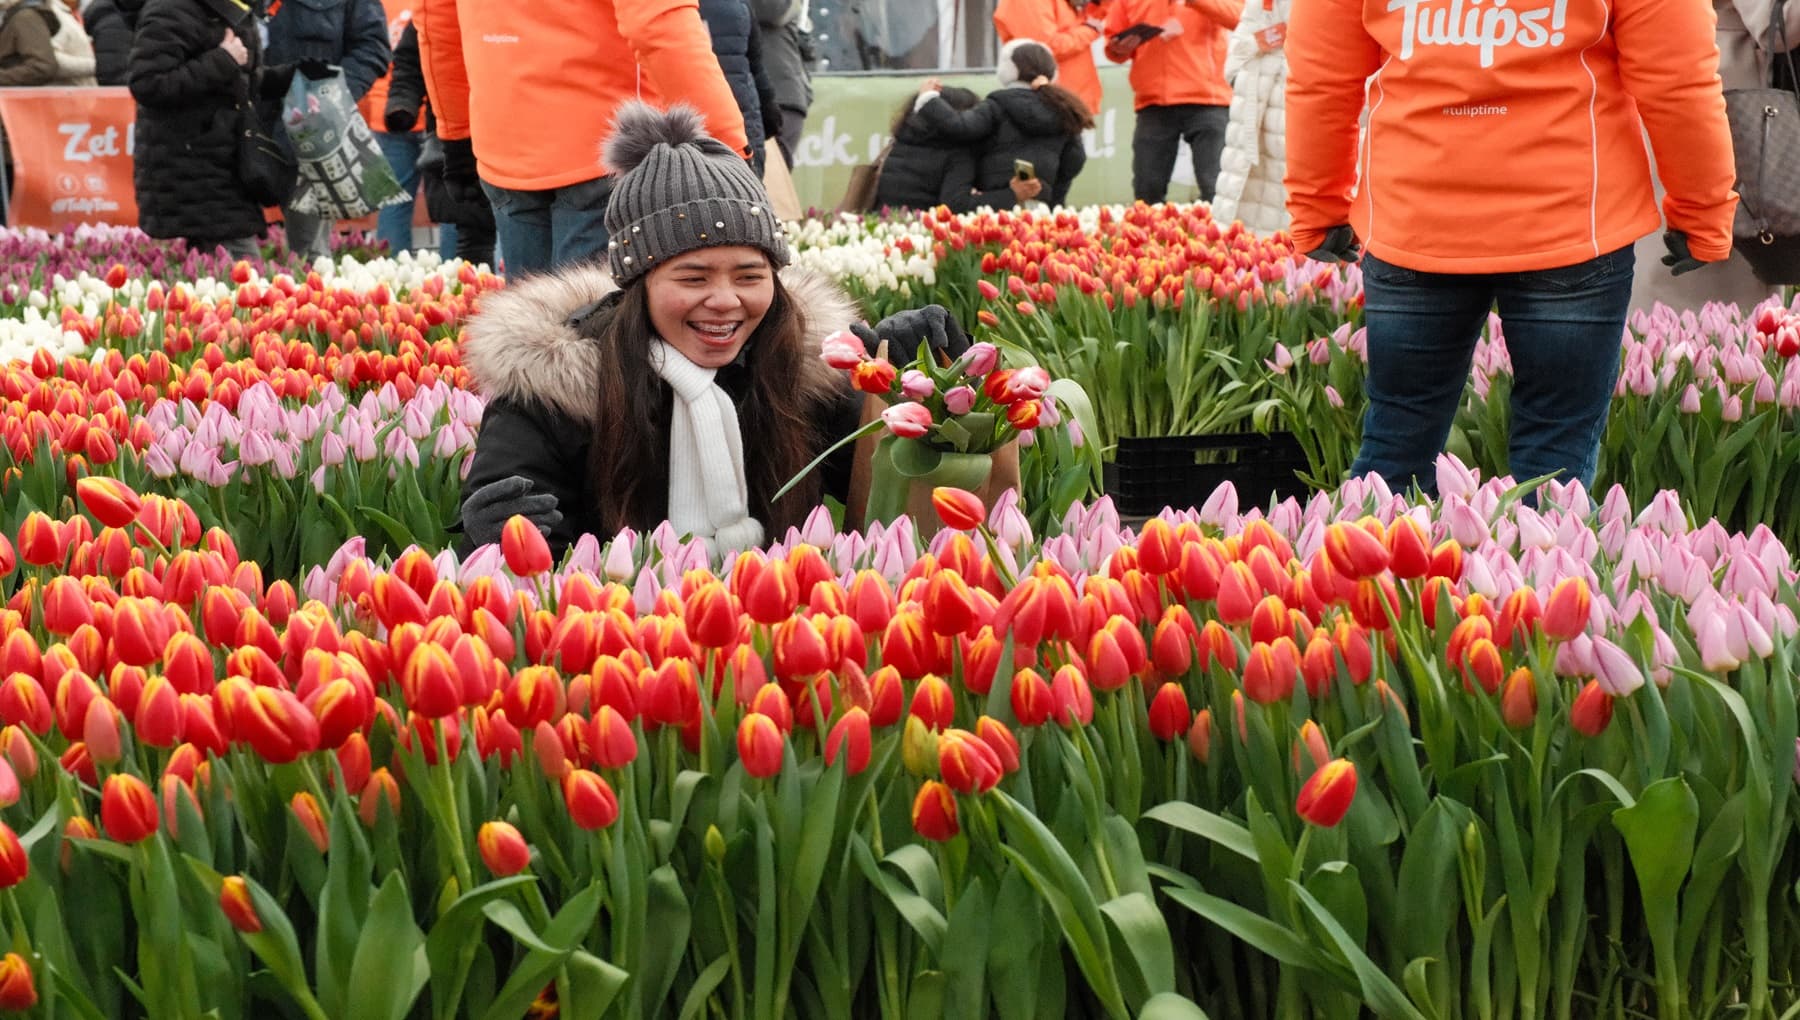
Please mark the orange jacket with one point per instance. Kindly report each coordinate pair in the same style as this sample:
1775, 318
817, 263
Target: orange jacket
374, 105
1505, 139
1055, 24
1187, 68
535, 82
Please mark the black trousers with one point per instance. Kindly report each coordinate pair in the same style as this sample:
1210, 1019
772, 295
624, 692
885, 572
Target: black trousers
1157, 140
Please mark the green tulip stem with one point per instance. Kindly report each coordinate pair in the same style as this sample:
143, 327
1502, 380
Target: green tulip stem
728, 923
1007, 577
459, 855
16, 918
1299, 872
875, 822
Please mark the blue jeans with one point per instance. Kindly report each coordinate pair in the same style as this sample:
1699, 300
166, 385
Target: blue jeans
543, 230
394, 223
1563, 329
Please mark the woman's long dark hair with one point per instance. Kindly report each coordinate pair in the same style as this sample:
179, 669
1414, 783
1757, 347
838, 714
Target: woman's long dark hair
628, 458
1034, 60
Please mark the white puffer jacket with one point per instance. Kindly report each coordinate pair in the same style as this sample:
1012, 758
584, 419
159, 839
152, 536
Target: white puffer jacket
1255, 157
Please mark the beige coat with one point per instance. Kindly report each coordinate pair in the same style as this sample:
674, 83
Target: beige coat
74, 50
1743, 63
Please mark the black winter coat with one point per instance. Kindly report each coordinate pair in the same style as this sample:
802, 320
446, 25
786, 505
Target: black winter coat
924, 170
1011, 124
352, 34
730, 24
530, 352
110, 27
187, 90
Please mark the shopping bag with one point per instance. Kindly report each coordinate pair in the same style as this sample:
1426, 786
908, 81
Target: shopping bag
780, 185
342, 172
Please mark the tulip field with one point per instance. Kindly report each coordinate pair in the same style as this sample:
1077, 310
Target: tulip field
269, 747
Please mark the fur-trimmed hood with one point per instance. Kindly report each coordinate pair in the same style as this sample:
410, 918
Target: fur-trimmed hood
522, 345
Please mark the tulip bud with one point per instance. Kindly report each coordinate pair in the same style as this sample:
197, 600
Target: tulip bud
933, 703
760, 745
1325, 797
1566, 612
523, 547
612, 739
959, 509
127, 809
934, 812
918, 747
1592, 711
1071, 699
14, 865
1518, 699
18, 993
967, 763
590, 800
380, 789
503, 850
1169, 713
1199, 736
240, 910
112, 502
312, 820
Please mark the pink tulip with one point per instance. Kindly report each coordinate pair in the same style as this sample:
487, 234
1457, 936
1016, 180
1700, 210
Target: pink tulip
1690, 400
843, 350
1617, 672
916, 385
959, 399
907, 421
980, 359
1028, 383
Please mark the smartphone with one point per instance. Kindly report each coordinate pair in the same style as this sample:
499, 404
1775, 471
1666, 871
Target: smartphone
1023, 170
1138, 33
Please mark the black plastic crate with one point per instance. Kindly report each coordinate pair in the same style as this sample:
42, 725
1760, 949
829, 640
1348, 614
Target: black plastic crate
1152, 472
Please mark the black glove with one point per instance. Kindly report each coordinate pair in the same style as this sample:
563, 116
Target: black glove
272, 80
315, 68
488, 508
771, 114
399, 122
1339, 246
460, 178
1679, 259
905, 331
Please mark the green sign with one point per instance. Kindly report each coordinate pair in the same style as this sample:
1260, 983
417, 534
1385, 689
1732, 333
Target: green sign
852, 115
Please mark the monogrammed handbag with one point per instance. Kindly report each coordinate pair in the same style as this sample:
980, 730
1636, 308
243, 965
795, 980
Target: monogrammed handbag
1765, 139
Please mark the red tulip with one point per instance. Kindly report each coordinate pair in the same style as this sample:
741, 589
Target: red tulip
933, 703
429, 682
381, 788
1566, 613
949, 606
767, 588
18, 993
590, 799
127, 809
1325, 798
967, 763
934, 812
1270, 671
959, 509
1000, 740
1032, 700
1312, 741
887, 697
239, 908
523, 547
9, 559
1199, 736
503, 850
1483, 665
23, 703
112, 502
311, 819
613, 741
800, 650
712, 616
1116, 654
41, 541
1518, 699
100, 731
849, 739
14, 864
1169, 713
760, 745
1071, 699
1592, 711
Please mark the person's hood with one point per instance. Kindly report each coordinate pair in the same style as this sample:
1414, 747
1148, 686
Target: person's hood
1028, 111
523, 342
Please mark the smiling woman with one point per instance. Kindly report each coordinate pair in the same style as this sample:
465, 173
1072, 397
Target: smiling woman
690, 391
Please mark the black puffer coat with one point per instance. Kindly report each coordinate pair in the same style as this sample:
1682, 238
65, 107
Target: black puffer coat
187, 90
1010, 124
924, 170
110, 24
730, 24
532, 355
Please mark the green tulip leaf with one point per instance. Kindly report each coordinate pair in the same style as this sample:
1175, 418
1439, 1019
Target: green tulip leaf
1169, 1006
705, 983
1145, 936
452, 941
390, 967
1377, 988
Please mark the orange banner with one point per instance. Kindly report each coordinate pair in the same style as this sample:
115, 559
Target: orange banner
71, 151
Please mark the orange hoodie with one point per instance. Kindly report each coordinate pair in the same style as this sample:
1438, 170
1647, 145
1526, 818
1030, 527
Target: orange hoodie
1505, 137
535, 82
1185, 68
1056, 24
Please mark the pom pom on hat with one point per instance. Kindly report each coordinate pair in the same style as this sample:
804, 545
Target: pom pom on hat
638, 128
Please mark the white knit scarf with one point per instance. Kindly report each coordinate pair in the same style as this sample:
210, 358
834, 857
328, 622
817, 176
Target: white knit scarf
708, 497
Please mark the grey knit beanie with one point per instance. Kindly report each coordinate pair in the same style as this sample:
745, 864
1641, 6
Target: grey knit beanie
676, 189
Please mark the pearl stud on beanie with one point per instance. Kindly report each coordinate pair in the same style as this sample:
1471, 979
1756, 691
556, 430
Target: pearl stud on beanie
676, 189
